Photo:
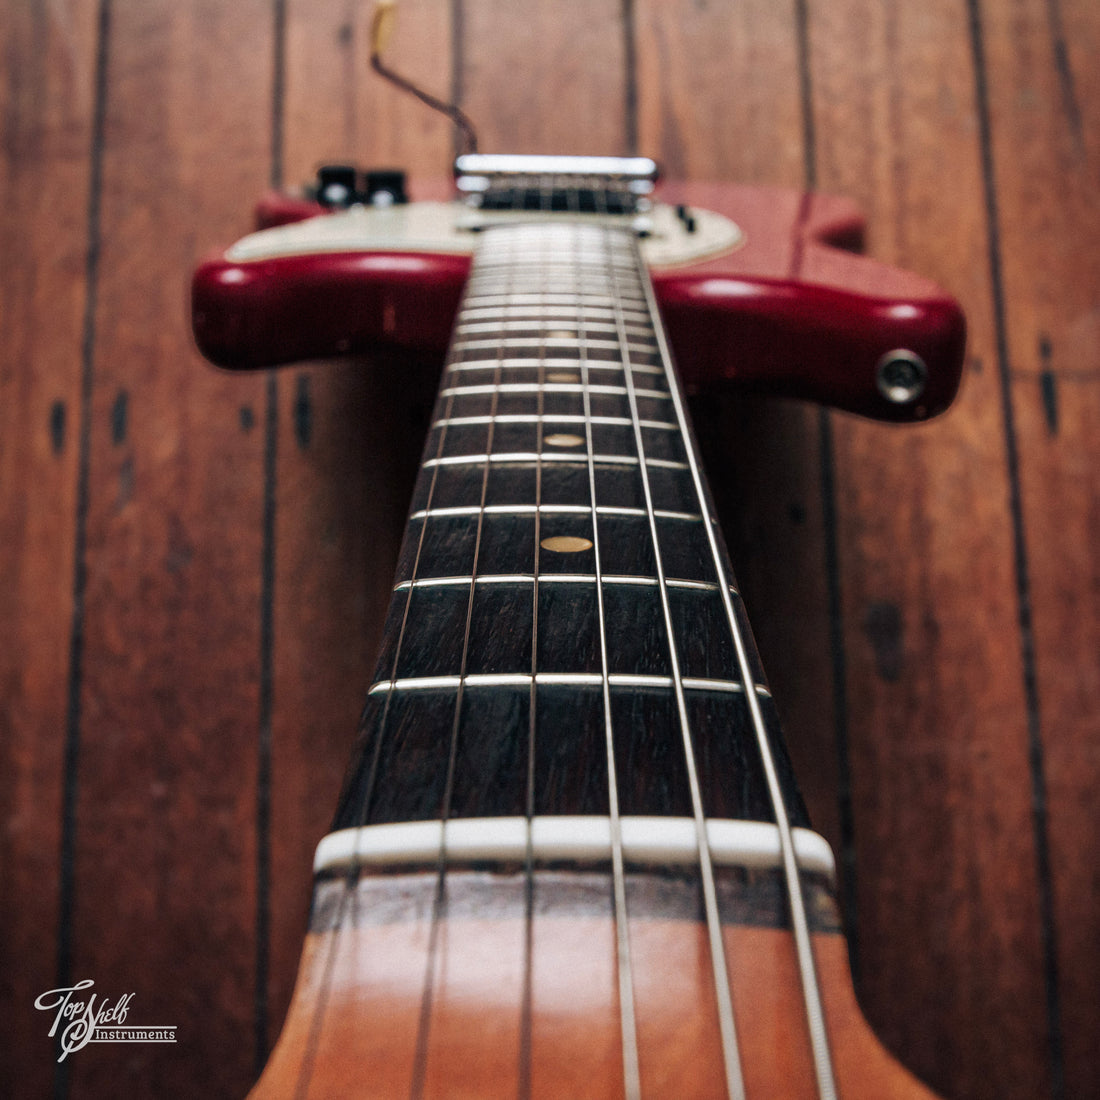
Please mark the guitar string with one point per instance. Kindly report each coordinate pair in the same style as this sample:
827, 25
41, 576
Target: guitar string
620, 892
526, 1016
815, 1015
626, 972
735, 1084
439, 902
349, 894
627, 1022
352, 877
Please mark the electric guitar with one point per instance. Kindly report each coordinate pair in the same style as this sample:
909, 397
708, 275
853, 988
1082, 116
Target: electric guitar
570, 858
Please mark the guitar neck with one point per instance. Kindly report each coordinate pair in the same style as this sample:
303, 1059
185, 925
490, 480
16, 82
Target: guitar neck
564, 636
569, 857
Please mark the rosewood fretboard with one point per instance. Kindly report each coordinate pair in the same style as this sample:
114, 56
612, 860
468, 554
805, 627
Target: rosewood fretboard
557, 574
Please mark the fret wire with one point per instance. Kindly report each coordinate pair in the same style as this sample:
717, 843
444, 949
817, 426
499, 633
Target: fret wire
552, 456
522, 342
539, 309
536, 300
559, 418
548, 387
815, 1013
735, 1083
523, 679
631, 1070
564, 363
533, 323
533, 362
558, 578
549, 509
505, 309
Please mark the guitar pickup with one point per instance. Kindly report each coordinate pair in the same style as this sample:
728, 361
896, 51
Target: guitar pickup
612, 186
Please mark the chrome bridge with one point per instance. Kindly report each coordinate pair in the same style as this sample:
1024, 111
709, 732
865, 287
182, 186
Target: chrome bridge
577, 185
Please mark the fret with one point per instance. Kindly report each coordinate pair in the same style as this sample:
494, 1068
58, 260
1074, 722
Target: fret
557, 314
556, 578
549, 363
535, 418
534, 327
547, 388
590, 679
562, 351
591, 288
516, 366
549, 509
573, 270
549, 456
492, 300
551, 343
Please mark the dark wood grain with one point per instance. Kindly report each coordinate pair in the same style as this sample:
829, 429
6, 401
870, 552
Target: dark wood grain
340, 486
966, 678
160, 770
763, 457
921, 740
47, 106
1041, 99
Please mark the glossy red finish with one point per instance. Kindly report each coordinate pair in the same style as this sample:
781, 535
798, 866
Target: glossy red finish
309, 307
790, 312
812, 342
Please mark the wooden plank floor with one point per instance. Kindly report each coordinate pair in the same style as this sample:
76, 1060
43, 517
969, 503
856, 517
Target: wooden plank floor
194, 566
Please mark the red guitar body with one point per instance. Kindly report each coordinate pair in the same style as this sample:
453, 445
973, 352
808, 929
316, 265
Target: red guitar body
790, 310
756, 289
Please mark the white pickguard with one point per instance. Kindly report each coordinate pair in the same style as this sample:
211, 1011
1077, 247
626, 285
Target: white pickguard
451, 227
